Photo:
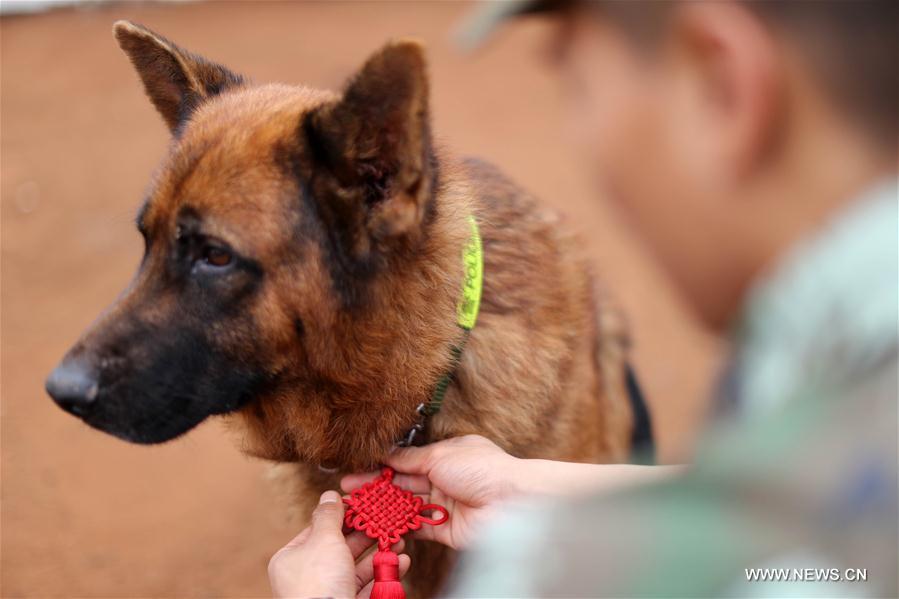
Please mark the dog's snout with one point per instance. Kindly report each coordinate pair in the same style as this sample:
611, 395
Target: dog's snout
73, 385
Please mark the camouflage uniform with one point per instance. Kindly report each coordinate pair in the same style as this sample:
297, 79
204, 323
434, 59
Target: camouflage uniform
800, 473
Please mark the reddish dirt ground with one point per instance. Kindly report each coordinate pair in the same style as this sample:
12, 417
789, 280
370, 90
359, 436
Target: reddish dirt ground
86, 515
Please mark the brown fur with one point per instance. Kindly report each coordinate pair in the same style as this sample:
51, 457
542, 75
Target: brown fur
370, 265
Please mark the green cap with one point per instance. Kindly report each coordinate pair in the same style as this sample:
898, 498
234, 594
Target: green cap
487, 17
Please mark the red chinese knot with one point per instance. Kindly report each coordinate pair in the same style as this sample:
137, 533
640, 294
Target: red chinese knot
385, 512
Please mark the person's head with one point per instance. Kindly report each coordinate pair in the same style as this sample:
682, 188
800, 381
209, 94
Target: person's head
727, 130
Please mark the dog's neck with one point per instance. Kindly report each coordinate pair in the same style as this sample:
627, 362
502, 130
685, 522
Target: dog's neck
391, 357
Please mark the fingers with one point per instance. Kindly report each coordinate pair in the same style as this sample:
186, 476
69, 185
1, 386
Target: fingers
299, 539
425, 533
358, 543
365, 573
420, 460
351, 482
323, 518
416, 483
328, 516
411, 460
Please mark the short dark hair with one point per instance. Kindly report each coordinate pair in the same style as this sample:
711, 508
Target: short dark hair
851, 45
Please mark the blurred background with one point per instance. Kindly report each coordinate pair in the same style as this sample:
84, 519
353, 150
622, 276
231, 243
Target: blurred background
86, 515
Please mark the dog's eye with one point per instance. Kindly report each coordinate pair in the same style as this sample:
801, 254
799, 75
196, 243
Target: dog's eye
216, 256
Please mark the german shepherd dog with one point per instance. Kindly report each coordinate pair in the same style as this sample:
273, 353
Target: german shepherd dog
301, 271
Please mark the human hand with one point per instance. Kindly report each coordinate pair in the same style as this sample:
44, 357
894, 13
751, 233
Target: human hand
469, 476
321, 561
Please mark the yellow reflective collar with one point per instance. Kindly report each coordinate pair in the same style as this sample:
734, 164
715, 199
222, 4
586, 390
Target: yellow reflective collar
473, 280
467, 314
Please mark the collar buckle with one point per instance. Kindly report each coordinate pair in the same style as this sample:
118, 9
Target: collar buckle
409, 439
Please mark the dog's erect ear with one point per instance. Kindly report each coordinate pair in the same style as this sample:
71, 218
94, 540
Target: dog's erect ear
372, 149
175, 80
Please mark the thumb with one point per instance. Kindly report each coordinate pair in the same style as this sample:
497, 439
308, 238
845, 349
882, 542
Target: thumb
328, 516
410, 460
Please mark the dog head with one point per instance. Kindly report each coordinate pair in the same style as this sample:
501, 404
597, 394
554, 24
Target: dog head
276, 212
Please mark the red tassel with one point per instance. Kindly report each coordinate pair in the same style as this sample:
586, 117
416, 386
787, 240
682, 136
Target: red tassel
387, 577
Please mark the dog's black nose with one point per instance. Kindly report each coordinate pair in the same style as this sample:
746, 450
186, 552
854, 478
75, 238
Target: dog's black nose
73, 385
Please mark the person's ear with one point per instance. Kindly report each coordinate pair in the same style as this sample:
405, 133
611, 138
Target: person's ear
175, 80
372, 174
733, 59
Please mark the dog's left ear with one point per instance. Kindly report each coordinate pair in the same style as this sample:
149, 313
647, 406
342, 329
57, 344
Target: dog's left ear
372, 151
175, 80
